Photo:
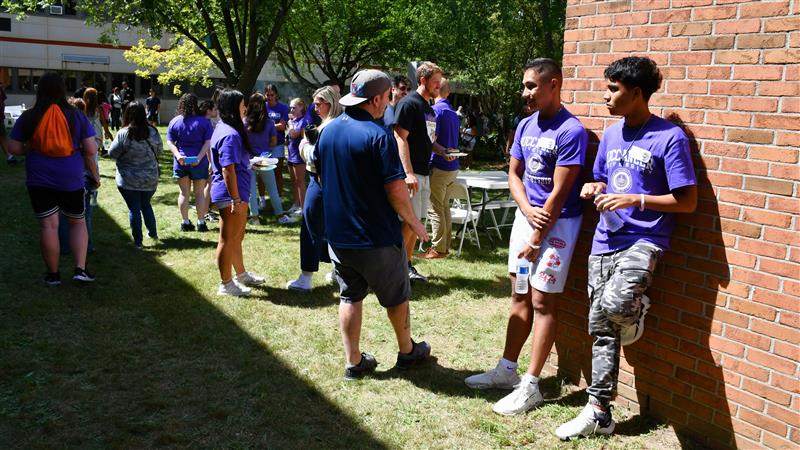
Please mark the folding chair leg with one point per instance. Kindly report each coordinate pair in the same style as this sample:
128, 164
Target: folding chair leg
425, 224
475, 230
463, 231
495, 227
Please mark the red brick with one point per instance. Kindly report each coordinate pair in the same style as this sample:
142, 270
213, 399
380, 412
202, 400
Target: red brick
755, 104
704, 102
714, 12
651, 5
637, 18
582, 10
725, 149
772, 441
571, 23
578, 35
783, 24
732, 287
791, 287
696, 409
672, 15
769, 361
788, 384
781, 333
767, 217
577, 60
742, 197
708, 132
778, 89
743, 398
734, 257
777, 154
769, 185
785, 171
725, 345
755, 278
594, 47
790, 320
690, 58
762, 421
744, 429
595, 21
684, 3
736, 57
733, 87
614, 7
745, 167
712, 42
740, 228
630, 45
724, 179
741, 441
669, 44
770, 393
783, 268
781, 236
777, 121
757, 73
761, 41
790, 205
737, 26
790, 105
753, 309
612, 33
664, 100
780, 301
687, 87
731, 378
684, 115
710, 73
762, 248
650, 31
691, 29
764, 9
745, 368
788, 138
730, 119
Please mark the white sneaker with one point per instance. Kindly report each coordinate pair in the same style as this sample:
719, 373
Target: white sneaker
233, 288
286, 220
249, 279
300, 284
294, 209
589, 422
330, 277
262, 203
497, 378
525, 396
631, 334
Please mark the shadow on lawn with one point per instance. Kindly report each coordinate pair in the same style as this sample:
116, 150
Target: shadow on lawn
141, 359
437, 287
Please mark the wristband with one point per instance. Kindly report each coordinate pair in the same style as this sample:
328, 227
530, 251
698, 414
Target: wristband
533, 247
641, 202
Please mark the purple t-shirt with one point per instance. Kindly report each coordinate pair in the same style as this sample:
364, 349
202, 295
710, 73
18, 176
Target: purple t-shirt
226, 149
545, 144
447, 129
64, 174
259, 142
277, 113
189, 136
658, 162
293, 154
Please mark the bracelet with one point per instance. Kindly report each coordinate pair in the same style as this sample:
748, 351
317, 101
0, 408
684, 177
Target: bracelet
533, 247
641, 202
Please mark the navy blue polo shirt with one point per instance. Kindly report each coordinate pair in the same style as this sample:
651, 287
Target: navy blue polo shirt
356, 157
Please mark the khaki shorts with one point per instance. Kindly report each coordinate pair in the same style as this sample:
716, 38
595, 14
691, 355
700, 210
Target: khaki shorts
421, 200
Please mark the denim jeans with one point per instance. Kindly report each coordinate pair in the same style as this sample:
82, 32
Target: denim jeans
268, 178
139, 205
313, 245
63, 225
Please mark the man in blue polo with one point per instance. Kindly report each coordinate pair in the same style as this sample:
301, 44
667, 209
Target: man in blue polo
444, 169
364, 190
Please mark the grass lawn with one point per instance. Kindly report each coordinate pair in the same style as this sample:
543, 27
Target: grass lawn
149, 356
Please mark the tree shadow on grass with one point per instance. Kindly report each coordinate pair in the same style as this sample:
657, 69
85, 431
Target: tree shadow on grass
437, 287
319, 297
126, 362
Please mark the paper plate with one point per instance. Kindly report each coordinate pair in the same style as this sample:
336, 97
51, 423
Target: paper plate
459, 154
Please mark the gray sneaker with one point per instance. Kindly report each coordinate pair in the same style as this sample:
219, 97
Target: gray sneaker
420, 352
414, 276
365, 366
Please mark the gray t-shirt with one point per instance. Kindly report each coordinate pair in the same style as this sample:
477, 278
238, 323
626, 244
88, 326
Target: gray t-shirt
137, 161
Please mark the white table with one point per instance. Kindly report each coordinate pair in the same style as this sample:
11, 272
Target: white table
490, 180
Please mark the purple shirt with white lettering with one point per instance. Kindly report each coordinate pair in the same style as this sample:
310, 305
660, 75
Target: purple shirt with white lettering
189, 135
277, 113
545, 144
293, 153
656, 162
226, 149
447, 129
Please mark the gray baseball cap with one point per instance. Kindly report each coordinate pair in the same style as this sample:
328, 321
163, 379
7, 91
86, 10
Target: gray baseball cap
365, 85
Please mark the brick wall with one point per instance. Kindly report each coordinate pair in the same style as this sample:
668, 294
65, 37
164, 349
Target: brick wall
719, 359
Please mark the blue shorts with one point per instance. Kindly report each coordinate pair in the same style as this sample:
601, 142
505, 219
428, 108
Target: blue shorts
199, 172
279, 151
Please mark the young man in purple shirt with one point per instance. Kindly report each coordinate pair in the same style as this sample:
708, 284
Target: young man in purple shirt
546, 158
644, 174
444, 170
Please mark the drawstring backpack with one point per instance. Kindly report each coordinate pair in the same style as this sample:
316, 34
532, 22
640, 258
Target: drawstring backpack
52, 137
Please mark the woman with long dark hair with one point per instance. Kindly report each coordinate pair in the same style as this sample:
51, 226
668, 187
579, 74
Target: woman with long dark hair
279, 113
57, 153
263, 137
136, 149
230, 183
188, 136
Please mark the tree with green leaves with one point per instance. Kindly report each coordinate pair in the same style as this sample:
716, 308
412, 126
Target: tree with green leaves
237, 36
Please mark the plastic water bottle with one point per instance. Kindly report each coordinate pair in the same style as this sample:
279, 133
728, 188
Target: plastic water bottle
523, 273
613, 221
93, 198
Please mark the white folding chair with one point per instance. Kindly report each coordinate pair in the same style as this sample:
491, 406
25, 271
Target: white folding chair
508, 205
463, 214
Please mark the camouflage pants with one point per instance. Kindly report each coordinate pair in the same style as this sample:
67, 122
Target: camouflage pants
616, 284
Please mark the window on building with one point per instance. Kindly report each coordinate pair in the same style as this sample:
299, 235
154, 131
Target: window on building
28, 79
118, 78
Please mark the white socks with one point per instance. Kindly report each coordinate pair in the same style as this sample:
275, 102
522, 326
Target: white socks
509, 366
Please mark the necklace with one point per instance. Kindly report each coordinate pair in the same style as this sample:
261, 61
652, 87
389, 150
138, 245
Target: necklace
636, 136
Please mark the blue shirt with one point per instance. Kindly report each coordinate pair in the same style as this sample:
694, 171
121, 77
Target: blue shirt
277, 113
447, 129
356, 157
388, 116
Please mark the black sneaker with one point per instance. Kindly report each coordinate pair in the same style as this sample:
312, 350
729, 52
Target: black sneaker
202, 227
420, 352
365, 366
82, 275
187, 226
415, 276
52, 279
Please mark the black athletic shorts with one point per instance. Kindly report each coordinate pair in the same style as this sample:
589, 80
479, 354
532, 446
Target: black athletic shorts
48, 201
383, 269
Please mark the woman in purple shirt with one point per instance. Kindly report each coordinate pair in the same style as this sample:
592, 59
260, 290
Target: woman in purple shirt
297, 167
56, 183
230, 183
